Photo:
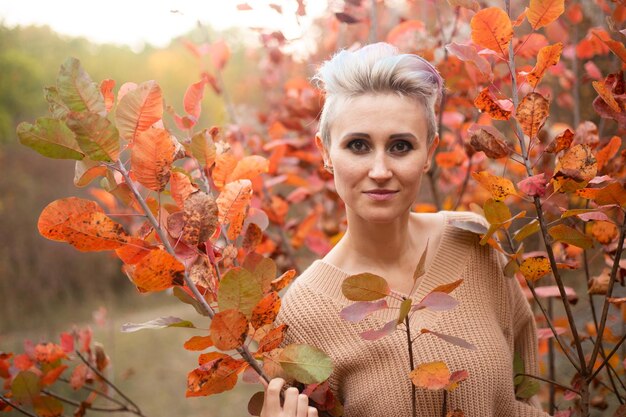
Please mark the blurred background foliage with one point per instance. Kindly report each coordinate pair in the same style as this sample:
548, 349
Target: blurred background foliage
47, 287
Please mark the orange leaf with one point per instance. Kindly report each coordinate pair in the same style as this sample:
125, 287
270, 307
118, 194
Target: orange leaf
604, 232
543, 12
614, 193
106, 88
303, 229
272, 339
616, 47
157, 271
486, 102
198, 343
139, 109
562, 141
607, 95
608, 151
400, 31
249, 167
181, 187
532, 113
432, 375
283, 280
133, 251
152, 157
214, 377
448, 288
266, 310
577, 164
52, 375
548, 56
499, 187
229, 329
94, 232
225, 163
54, 215
535, 267
233, 200
492, 29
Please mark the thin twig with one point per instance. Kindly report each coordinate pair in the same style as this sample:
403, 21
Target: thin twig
608, 356
17, 407
88, 406
97, 392
549, 381
109, 383
412, 365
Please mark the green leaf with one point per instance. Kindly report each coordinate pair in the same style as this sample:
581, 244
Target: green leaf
571, 236
51, 138
47, 406
264, 271
518, 368
77, 89
96, 136
527, 389
405, 307
56, 107
160, 323
305, 363
365, 287
188, 299
239, 290
528, 229
26, 387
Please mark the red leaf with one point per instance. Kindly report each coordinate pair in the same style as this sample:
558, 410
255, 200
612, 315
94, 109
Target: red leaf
533, 186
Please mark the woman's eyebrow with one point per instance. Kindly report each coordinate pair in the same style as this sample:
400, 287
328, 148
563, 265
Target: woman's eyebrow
405, 135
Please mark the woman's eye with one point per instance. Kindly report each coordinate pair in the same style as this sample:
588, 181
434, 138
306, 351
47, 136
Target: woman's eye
357, 145
402, 146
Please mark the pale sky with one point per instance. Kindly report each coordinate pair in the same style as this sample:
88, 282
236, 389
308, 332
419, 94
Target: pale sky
136, 22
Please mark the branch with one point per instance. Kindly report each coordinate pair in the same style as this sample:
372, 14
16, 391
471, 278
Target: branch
542, 223
89, 406
549, 381
97, 392
608, 356
18, 408
412, 365
605, 308
109, 383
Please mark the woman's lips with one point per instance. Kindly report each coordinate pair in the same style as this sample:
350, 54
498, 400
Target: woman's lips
380, 195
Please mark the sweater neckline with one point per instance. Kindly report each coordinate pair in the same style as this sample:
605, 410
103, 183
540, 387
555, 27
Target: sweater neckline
444, 268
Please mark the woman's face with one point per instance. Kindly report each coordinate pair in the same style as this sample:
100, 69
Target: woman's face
378, 143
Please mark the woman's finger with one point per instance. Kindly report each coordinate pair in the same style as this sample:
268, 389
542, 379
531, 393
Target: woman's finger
303, 405
271, 401
312, 412
291, 401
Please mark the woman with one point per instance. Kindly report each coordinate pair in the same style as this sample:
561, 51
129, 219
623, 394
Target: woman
377, 136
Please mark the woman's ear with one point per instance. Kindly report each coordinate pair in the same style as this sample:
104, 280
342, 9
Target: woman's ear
431, 151
320, 147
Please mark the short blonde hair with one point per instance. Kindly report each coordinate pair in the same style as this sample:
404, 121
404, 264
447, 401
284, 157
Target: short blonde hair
377, 68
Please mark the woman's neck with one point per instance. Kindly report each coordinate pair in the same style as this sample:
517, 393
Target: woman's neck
378, 245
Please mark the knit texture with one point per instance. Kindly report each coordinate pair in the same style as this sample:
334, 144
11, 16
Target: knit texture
371, 379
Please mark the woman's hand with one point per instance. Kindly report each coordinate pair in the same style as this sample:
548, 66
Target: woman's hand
296, 405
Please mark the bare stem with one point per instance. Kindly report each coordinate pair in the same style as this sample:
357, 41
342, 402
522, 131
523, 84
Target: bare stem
608, 357
123, 409
412, 365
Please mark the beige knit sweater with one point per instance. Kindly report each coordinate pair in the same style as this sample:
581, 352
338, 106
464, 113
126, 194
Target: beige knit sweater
370, 378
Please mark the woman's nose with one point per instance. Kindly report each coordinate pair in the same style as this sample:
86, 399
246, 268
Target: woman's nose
380, 168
